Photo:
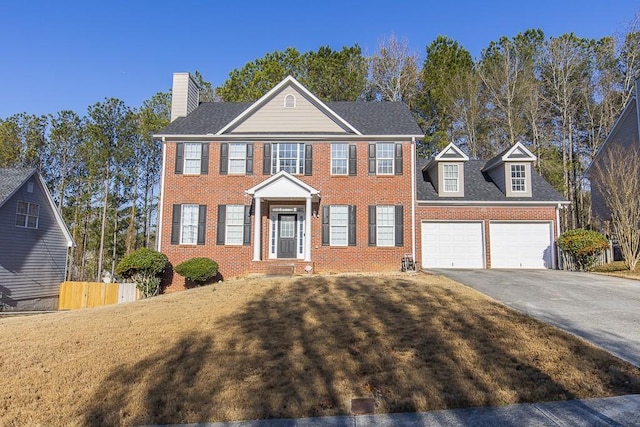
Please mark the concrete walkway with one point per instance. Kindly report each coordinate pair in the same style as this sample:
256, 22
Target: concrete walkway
612, 411
604, 310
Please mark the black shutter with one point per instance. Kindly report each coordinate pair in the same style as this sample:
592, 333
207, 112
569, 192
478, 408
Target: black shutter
179, 157
249, 168
352, 225
308, 159
224, 158
266, 160
372, 159
222, 214
398, 160
175, 224
372, 226
204, 158
246, 238
325, 226
353, 164
399, 225
202, 224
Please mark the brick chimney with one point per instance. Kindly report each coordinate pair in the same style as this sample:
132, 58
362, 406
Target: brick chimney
185, 95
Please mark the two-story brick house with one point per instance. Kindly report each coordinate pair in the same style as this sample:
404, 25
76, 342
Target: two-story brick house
291, 181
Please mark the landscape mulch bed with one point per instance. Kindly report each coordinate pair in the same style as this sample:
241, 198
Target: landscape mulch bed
292, 347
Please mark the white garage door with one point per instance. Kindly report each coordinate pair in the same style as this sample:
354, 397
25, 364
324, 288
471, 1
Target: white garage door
521, 245
452, 245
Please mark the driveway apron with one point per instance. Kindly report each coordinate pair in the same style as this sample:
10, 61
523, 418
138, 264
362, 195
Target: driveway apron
601, 309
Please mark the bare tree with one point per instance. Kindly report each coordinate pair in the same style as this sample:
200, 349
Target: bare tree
394, 71
615, 181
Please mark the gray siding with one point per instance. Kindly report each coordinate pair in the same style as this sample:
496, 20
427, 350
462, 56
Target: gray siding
32, 261
274, 117
497, 176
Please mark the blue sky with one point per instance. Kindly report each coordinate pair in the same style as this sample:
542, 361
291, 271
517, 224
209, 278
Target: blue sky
71, 54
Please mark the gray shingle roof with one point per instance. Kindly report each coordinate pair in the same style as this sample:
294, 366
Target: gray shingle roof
11, 179
370, 118
479, 187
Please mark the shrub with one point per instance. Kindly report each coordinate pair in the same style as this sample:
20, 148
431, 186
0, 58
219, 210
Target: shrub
145, 267
198, 270
583, 245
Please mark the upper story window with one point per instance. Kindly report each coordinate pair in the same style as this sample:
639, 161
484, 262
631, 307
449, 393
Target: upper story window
192, 158
290, 101
518, 178
237, 158
385, 158
339, 159
27, 214
288, 157
451, 180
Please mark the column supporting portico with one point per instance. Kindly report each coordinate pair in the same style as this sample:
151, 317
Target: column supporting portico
307, 229
257, 217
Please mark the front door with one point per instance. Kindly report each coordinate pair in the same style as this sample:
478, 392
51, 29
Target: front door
287, 236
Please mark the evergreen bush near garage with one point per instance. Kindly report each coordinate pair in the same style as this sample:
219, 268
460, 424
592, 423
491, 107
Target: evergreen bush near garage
584, 246
198, 270
145, 267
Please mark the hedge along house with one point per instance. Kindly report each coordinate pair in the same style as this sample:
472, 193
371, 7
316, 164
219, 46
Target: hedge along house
287, 182
34, 243
291, 182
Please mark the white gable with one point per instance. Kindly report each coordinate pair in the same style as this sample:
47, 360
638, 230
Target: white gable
283, 186
518, 153
271, 114
451, 152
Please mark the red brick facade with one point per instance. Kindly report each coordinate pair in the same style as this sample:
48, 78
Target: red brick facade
362, 190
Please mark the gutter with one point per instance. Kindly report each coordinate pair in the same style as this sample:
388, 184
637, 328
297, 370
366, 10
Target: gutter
159, 226
271, 137
413, 198
465, 203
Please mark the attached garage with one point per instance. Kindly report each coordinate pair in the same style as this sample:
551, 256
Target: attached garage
521, 244
452, 244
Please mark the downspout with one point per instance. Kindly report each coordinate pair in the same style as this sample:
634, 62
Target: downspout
413, 198
159, 225
559, 265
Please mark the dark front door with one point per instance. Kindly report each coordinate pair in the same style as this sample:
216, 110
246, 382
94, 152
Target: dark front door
287, 236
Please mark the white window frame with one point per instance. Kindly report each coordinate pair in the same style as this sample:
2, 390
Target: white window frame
277, 157
290, 101
450, 178
339, 225
237, 156
192, 156
234, 225
342, 156
383, 227
28, 216
518, 178
385, 158
189, 224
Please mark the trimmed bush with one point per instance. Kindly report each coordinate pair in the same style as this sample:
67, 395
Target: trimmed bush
583, 245
198, 270
145, 267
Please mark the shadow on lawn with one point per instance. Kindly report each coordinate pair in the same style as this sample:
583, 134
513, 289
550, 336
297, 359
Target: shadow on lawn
308, 348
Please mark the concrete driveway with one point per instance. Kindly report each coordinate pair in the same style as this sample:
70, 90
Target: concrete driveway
604, 310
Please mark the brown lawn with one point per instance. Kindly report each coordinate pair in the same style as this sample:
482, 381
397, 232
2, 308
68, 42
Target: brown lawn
291, 347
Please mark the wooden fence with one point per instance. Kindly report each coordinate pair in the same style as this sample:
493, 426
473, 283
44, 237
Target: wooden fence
75, 295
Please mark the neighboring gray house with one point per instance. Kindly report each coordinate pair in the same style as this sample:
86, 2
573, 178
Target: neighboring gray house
624, 134
34, 242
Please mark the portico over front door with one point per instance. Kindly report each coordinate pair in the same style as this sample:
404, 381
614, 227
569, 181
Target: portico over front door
287, 236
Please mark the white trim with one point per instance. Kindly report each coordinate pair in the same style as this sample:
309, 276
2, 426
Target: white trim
451, 147
465, 203
160, 226
413, 199
288, 137
282, 175
289, 80
518, 145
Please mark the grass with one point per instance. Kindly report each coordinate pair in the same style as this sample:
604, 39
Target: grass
618, 269
270, 348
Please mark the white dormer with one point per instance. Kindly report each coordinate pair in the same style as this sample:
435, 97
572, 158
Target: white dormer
511, 171
447, 171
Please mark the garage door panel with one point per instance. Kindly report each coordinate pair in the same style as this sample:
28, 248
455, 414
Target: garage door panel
452, 245
521, 245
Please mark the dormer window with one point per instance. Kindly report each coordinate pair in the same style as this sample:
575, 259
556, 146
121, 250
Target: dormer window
518, 178
451, 181
290, 101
